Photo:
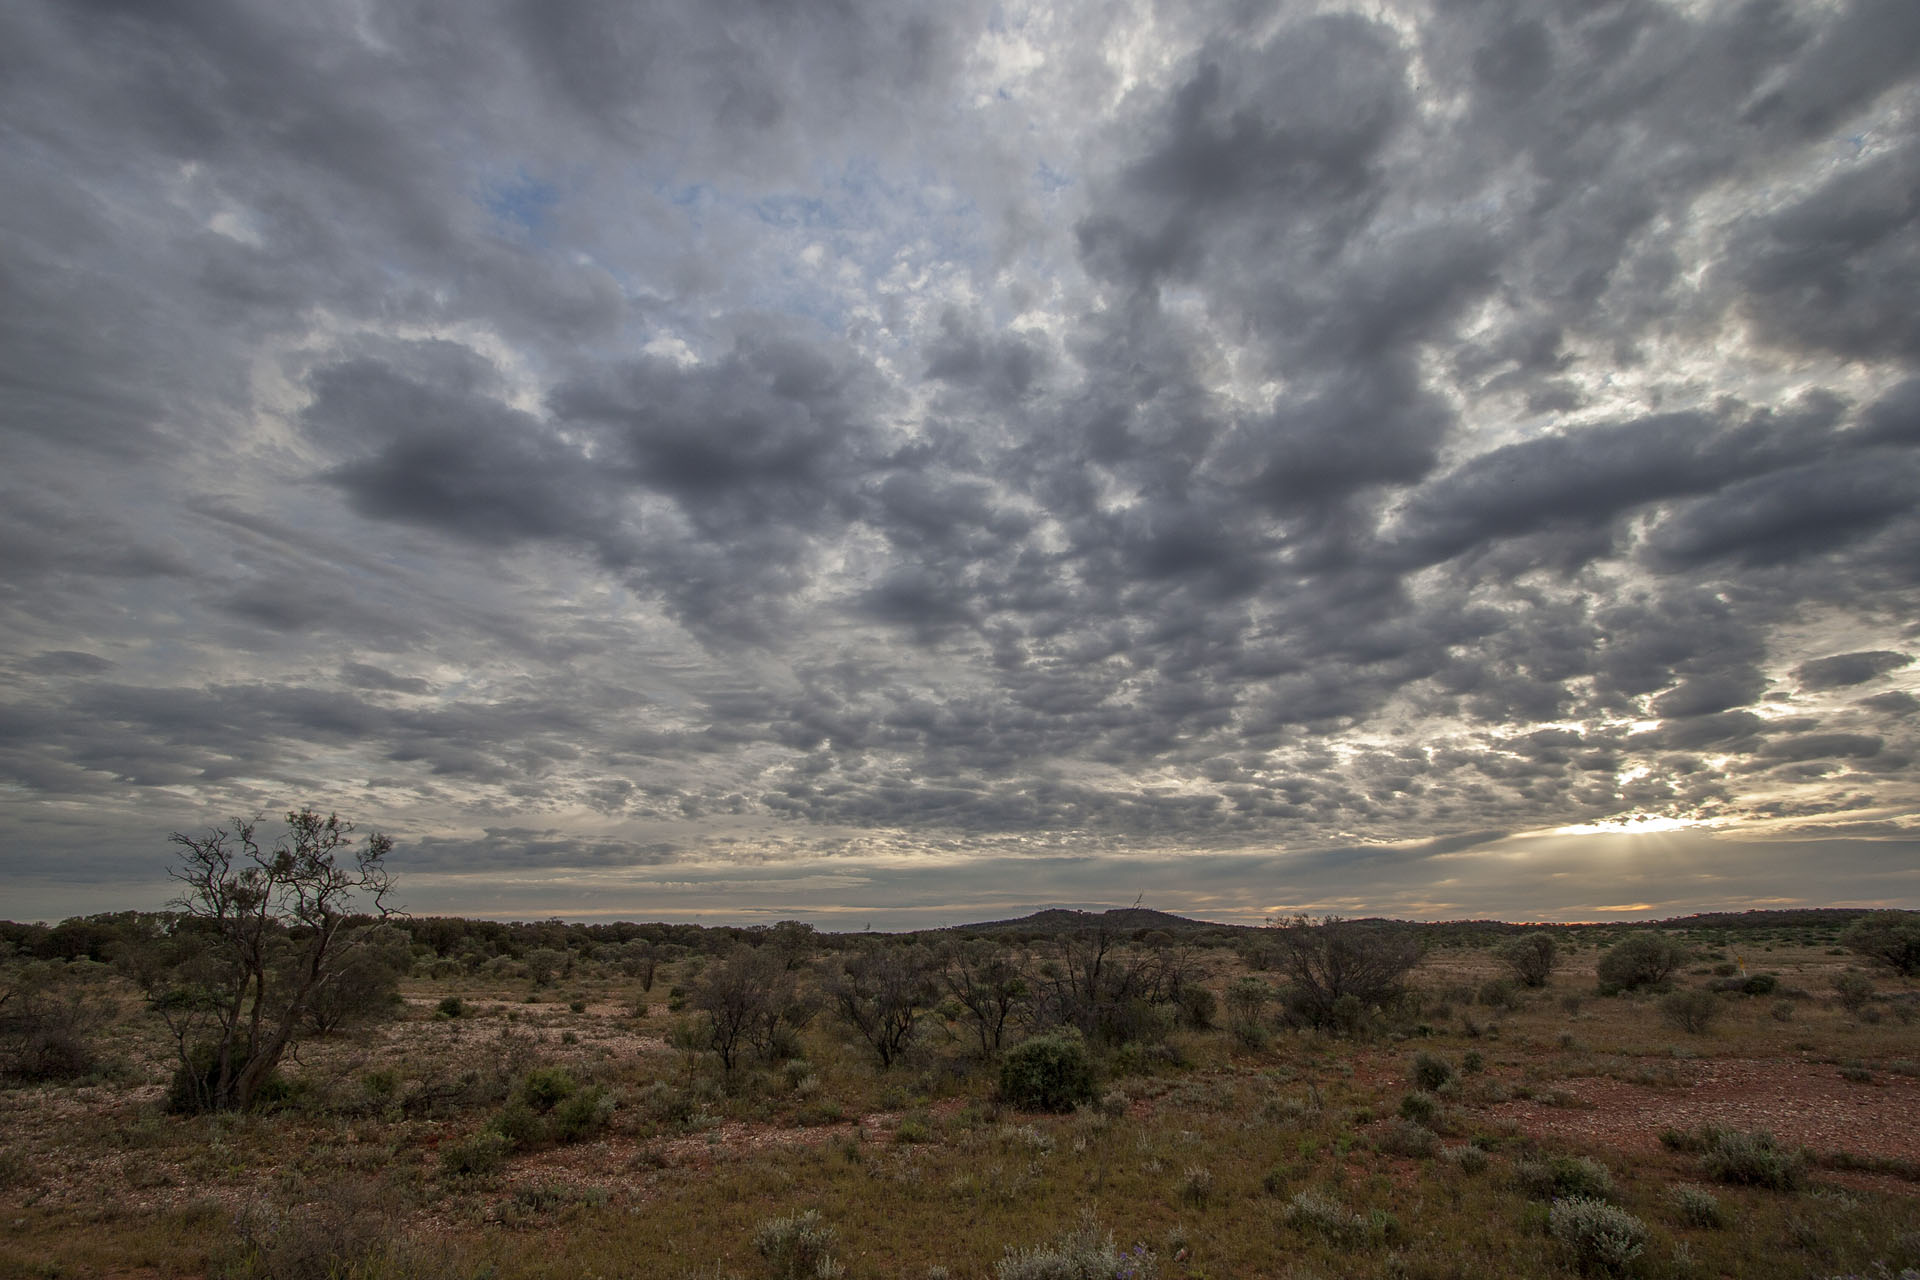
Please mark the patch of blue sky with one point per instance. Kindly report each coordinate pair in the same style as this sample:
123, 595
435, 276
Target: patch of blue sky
523, 203
1050, 179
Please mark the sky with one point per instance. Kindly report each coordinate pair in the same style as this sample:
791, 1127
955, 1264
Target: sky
891, 464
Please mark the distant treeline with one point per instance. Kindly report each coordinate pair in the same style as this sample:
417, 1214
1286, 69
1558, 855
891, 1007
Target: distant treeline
104, 936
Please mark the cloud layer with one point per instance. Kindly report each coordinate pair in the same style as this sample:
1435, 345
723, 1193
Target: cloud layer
669, 459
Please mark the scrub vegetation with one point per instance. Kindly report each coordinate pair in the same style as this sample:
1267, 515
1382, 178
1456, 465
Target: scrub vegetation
1069, 1094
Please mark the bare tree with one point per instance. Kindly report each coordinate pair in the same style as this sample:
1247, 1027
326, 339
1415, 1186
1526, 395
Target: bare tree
743, 998
1090, 979
265, 934
1338, 969
986, 980
880, 991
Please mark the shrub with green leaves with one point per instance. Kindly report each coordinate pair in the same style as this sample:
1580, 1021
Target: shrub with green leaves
1430, 1071
1751, 1159
798, 1248
481, 1156
1531, 957
1600, 1237
1047, 1073
1853, 990
583, 1114
1691, 1010
1695, 1206
547, 1087
1421, 1108
1642, 960
1891, 938
1087, 1253
1560, 1177
1404, 1137
1311, 1211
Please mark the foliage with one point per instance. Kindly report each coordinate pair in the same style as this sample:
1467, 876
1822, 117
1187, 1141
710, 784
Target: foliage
366, 984
1337, 969
1247, 999
265, 933
545, 1088
544, 964
1853, 990
748, 1000
986, 981
881, 992
1558, 1177
1311, 1211
1430, 1071
1642, 960
1751, 1159
1047, 1073
45, 1033
798, 1248
1695, 1206
1408, 1136
1531, 957
1891, 938
1599, 1236
1691, 1010
1085, 1254
1110, 992
480, 1156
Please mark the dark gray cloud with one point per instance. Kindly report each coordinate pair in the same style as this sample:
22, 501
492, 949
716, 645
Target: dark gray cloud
750, 454
1844, 669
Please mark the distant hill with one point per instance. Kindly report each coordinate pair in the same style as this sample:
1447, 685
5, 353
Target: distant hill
1117, 919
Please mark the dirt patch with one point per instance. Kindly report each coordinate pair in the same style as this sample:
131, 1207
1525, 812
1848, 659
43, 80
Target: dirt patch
1806, 1104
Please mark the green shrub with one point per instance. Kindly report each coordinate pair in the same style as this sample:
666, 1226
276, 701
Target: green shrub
1430, 1071
1560, 1177
1405, 1137
1531, 957
1751, 1159
1499, 993
1311, 1211
1421, 1108
1467, 1159
1891, 938
1760, 984
1047, 1073
1598, 1236
547, 1087
1643, 960
581, 1115
1085, 1254
481, 1156
520, 1125
451, 1007
1695, 1206
1853, 990
1196, 1006
1691, 1010
195, 1084
798, 1248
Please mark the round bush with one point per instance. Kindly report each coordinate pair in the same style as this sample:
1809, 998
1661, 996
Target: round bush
1047, 1073
1643, 960
1600, 1237
1692, 1010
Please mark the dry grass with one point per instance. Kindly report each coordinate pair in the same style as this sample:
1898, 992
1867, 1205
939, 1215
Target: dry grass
1201, 1155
